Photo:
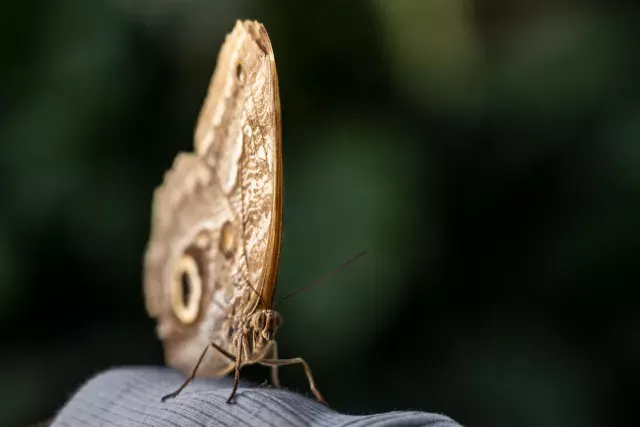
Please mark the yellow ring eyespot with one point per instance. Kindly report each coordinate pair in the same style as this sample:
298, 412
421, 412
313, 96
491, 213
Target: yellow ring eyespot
186, 290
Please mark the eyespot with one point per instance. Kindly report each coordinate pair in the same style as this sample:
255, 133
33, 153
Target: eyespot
227, 240
186, 290
240, 72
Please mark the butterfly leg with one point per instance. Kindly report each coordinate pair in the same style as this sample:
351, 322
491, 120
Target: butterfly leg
236, 377
307, 370
195, 369
245, 350
273, 355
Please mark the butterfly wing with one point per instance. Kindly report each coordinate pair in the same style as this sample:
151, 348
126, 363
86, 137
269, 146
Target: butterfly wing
217, 217
247, 154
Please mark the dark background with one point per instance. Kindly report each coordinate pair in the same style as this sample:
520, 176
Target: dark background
487, 154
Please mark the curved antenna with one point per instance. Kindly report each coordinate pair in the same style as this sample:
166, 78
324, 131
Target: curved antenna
334, 271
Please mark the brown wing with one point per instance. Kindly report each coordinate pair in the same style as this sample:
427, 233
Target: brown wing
247, 155
216, 221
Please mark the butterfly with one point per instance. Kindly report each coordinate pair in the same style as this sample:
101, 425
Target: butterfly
212, 258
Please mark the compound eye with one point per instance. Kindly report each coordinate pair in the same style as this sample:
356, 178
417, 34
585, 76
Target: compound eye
277, 320
259, 321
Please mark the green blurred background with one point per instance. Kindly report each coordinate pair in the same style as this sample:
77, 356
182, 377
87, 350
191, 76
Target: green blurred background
486, 153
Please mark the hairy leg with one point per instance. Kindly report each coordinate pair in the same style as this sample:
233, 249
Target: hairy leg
195, 369
236, 378
307, 370
272, 354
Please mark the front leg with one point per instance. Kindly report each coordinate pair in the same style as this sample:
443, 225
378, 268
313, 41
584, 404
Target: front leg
195, 369
236, 377
242, 349
272, 354
307, 370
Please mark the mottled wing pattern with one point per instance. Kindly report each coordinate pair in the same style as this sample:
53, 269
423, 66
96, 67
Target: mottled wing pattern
247, 155
233, 180
197, 214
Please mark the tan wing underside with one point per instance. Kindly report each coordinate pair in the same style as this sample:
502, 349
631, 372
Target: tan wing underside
190, 204
234, 175
248, 156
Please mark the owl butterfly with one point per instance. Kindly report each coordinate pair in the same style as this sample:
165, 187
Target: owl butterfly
212, 258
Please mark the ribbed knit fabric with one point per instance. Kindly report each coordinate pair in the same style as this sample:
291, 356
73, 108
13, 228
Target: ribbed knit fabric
131, 397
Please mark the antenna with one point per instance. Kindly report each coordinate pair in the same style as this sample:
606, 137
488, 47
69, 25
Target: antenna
257, 293
352, 260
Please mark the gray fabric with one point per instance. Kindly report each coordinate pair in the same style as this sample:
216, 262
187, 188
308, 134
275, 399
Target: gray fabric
131, 397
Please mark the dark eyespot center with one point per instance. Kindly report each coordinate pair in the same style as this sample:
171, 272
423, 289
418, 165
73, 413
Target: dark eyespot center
185, 281
239, 72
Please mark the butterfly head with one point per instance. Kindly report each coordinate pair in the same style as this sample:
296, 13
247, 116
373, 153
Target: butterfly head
266, 322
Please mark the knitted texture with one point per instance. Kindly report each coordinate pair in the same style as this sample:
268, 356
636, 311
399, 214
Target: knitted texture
131, 397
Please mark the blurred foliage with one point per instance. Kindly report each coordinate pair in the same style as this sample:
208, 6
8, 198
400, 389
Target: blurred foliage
485, 153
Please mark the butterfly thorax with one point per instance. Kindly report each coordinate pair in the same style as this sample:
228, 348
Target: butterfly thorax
255, 333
